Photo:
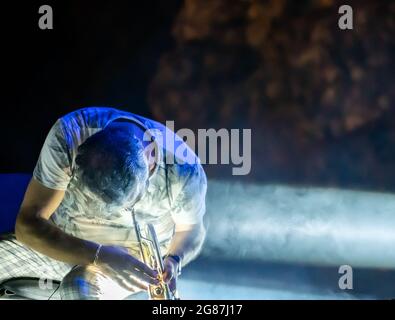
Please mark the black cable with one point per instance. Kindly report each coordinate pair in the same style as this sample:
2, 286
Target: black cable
50, 297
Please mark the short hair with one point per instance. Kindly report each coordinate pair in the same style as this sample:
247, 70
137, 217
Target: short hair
112, 164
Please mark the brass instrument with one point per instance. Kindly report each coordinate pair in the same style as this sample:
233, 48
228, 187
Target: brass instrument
151, 256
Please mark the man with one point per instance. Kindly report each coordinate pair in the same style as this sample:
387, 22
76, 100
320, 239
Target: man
97, 167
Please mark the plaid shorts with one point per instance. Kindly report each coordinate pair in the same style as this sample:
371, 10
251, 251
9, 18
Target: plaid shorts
77, 282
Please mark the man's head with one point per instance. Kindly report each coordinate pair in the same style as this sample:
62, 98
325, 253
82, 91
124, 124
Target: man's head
113, 166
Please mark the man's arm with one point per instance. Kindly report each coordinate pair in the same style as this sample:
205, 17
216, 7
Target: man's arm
187, 241
35, 230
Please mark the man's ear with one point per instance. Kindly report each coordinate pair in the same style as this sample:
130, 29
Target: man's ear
151, 155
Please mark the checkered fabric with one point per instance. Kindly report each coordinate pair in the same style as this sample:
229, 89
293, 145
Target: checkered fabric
17, 260
78, 283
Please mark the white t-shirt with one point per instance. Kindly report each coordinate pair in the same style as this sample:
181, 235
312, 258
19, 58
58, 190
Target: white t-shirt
175, 195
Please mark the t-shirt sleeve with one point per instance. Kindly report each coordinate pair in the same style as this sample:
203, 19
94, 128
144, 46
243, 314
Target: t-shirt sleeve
189, 206
53, 166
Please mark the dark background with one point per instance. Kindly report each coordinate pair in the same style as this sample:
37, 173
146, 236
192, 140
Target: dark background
320, 101
99, 53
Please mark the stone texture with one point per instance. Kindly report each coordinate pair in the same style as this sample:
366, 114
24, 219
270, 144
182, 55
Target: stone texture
320, 100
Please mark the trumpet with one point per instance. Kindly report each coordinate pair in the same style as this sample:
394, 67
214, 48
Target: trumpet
151, 256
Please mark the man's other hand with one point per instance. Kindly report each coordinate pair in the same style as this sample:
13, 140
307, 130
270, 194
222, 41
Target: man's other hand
128, 271
170, 274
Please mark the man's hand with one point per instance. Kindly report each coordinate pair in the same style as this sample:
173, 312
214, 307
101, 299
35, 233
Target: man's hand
171, 273
128, 271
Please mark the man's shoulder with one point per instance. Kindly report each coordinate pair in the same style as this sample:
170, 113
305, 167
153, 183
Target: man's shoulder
92, 116
98, 117
186, 175
80, 124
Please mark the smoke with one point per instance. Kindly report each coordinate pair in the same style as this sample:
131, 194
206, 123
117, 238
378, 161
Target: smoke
314, 226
